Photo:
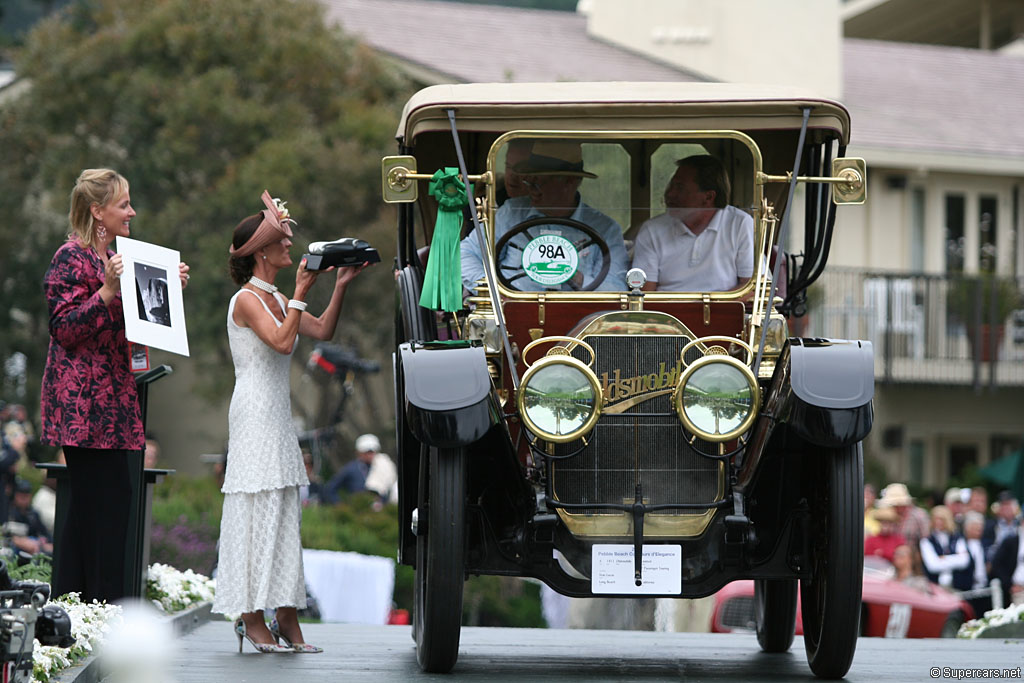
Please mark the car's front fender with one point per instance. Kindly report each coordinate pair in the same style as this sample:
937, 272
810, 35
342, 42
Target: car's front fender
448, 396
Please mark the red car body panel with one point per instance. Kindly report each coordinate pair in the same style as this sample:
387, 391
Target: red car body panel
893, 609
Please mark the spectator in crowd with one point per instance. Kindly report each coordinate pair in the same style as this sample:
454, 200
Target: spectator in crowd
1008, 566
28, 533
370, 470
954, 500
17, 438
944, 553
978, 501
44, 501
1007, 510
311, 493
9, 459
871, 524
913, 522
88, 400
906, 567
151, 454
884, 543
974, 526
19, 416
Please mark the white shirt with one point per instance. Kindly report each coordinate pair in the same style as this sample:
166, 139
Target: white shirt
978, 554
519, 209
943, 565
712, 261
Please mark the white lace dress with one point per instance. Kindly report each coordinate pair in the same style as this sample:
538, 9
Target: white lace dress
260, 556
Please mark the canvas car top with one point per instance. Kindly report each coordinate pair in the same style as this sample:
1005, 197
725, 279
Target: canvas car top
498, 107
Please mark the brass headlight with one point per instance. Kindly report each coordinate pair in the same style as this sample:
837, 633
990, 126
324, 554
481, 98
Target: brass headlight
559, 399
717, 398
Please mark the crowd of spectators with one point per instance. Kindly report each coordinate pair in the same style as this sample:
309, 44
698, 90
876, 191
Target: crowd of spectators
960, 543
26, 515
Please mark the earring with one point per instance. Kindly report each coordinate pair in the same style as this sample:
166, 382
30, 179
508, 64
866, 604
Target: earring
264, 257
101, 230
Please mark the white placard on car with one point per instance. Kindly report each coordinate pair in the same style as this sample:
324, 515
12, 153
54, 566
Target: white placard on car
612, 570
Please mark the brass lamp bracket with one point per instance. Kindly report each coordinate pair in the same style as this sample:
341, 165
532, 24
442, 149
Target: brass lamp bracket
398, 172
848, 180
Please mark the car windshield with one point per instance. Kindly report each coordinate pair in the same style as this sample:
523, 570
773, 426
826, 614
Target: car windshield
575, 214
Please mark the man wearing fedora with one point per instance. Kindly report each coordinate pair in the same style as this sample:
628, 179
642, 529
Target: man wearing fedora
914, 523
552, 173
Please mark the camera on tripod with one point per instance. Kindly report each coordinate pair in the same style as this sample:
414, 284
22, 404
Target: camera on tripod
24, 617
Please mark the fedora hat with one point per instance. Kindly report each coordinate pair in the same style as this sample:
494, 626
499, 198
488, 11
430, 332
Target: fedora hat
554, 157
896, 494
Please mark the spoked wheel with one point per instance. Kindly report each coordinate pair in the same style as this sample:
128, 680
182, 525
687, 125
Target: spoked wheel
775, 613
831, 596
440, 551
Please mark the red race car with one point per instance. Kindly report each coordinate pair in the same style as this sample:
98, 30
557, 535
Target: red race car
889, 608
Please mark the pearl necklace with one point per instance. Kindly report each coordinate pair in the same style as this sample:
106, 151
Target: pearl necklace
260, 284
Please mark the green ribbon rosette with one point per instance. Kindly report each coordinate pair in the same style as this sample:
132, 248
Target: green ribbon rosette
442, 285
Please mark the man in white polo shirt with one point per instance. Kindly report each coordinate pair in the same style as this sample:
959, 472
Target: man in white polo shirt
700, 243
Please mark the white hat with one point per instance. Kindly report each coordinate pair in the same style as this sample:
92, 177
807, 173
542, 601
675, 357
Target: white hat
367, 443
895, 494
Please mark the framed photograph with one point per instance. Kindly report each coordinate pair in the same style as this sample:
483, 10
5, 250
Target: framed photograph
154, 315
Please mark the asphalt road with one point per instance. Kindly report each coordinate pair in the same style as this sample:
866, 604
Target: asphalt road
385, 653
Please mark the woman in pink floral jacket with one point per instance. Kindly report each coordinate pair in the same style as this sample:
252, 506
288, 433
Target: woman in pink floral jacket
89, 403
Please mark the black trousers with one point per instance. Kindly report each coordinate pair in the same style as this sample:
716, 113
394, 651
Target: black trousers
90, 559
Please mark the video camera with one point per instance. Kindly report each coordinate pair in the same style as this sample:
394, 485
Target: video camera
333, 359
347, 251
23, 618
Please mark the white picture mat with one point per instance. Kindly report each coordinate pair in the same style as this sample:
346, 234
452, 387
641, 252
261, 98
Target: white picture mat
612, 569
137, 329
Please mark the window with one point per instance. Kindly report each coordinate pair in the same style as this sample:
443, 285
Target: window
954, 233
987, 222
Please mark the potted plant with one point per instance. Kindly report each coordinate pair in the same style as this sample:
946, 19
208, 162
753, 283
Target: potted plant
982, 303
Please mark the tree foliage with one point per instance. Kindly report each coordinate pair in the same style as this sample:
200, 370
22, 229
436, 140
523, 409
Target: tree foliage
201, 105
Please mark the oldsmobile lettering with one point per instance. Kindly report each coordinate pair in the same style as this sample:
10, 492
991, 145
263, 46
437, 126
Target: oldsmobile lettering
640, 388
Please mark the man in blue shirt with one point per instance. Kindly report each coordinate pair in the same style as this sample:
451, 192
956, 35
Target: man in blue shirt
552, 173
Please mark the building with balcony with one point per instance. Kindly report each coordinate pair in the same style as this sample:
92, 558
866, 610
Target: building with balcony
929, 269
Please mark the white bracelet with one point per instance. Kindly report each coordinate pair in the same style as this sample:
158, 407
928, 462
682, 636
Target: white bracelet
297, 305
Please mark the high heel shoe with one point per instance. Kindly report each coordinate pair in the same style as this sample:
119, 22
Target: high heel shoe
262, 648
304, 648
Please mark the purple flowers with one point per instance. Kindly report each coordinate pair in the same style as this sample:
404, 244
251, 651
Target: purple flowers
184, 545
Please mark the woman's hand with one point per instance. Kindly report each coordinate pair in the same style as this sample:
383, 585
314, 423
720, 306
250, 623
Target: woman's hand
304, 279
183, 274
347, 274
112, 278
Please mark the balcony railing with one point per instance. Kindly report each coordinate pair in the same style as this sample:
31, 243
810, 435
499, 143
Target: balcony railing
926, 329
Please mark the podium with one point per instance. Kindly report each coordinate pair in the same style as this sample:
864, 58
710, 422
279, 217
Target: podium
136, 551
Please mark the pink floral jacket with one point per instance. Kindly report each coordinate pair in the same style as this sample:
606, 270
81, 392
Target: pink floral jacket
88, 394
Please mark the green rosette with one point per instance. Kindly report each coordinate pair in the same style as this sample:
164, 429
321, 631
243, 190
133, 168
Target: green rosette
442, 285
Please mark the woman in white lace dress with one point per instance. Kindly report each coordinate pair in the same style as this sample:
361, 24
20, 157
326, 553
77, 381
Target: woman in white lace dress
260, 557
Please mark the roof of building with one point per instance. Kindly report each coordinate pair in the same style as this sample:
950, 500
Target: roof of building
961, 106
944, 99
487, 43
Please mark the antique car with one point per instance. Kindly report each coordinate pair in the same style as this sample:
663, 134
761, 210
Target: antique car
889, 608
560, 416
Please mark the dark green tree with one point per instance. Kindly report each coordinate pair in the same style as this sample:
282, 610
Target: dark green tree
201, 105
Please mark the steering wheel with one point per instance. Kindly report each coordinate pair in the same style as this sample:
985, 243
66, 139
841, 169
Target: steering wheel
593, 238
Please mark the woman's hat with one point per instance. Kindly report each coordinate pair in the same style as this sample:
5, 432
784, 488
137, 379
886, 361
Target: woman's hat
554, 157
273, 228
885, 514
895, 494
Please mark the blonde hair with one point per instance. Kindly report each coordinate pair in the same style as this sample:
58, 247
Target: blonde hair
944, 513
99, 186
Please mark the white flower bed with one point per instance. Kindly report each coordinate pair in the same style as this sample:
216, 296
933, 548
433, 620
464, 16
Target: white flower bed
992, 619
172, 591
166, 588
89, 623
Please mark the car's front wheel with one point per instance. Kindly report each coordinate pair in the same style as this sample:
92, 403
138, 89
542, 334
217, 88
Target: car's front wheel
831, 596
775, 613
440, 552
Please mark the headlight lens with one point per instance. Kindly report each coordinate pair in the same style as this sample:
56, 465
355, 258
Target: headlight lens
717, 398
486, 331
559, 399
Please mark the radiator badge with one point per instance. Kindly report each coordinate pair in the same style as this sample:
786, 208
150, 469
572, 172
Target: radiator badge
633, 390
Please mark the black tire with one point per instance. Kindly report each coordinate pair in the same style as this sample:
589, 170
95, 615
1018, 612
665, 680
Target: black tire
831, 596
775, 613
952, 625
440, 553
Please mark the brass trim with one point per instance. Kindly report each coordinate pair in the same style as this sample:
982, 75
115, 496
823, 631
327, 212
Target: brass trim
716, 337
707, 309
747, 421
573, 341
536, 333
848, 180
632, 323
587, 426
620, 524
